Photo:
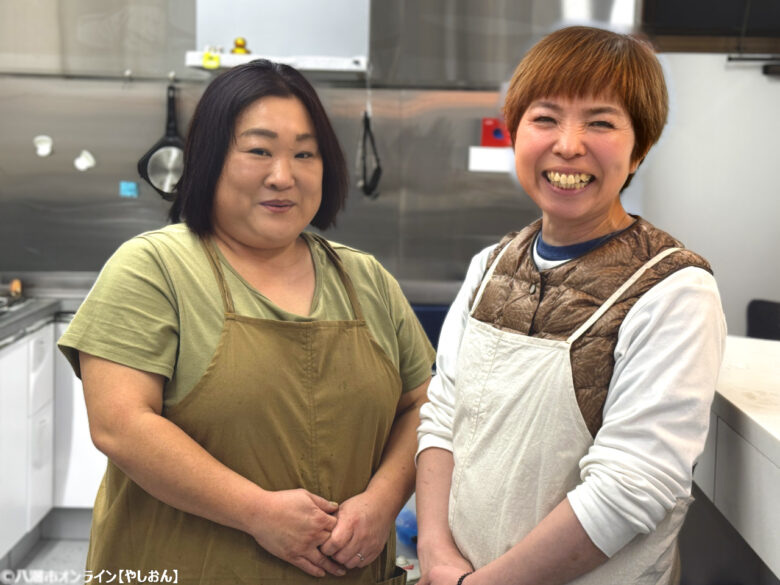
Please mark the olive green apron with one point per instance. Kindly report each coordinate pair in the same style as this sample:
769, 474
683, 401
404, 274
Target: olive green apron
285, 404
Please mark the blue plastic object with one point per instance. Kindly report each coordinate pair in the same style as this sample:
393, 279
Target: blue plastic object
406, 527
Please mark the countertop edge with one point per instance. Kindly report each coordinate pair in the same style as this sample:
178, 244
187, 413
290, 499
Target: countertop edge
32, 312
747, 396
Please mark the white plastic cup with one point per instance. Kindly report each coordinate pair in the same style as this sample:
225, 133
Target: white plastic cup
84, 161
43, 145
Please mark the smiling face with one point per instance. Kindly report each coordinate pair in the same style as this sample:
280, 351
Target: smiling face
270, 187
572, 157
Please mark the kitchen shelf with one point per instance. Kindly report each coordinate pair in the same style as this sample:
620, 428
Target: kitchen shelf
491, 159
356, 66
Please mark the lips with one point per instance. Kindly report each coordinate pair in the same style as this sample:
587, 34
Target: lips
568, 181
277, 204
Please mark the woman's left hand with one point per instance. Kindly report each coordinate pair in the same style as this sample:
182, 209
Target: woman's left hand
442, 575
360, 534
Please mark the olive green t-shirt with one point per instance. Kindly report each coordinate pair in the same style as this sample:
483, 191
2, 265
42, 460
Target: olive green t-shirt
156, 307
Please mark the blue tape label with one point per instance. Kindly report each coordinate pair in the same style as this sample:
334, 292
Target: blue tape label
128, 189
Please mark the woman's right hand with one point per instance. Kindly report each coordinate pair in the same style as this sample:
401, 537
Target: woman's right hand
294, 524
435, 545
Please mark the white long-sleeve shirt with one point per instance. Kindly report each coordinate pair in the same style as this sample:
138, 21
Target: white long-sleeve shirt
656, 413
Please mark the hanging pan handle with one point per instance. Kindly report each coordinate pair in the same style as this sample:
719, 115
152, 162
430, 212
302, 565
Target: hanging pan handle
370, 185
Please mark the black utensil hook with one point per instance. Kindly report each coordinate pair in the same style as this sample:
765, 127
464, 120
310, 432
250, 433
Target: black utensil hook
370, 185
171, 128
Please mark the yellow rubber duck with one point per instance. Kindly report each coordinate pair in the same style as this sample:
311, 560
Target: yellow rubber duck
239, 46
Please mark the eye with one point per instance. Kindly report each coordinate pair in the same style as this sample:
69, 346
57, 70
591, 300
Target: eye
541, 119
305, 154
260, 152
603, 124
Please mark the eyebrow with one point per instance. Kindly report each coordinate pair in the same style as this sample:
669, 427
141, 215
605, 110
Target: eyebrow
273, 135
590, 111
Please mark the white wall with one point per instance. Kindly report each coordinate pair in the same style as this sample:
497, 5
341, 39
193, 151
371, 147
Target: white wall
713, 181
292, 28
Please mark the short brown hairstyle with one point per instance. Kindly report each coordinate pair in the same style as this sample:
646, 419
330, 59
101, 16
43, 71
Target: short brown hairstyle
581, 61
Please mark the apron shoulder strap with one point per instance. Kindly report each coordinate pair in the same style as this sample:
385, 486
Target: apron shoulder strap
211, 254
619, 292
345, 279
487, 277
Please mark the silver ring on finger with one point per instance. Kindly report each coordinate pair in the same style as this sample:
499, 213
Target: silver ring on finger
361, 557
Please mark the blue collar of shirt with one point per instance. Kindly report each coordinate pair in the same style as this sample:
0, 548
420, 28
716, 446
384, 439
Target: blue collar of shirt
556, 253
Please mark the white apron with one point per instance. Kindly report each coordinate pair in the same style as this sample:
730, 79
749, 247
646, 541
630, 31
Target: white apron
518, 438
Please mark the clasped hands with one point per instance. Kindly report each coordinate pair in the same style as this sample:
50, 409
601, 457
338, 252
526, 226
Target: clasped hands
319, 536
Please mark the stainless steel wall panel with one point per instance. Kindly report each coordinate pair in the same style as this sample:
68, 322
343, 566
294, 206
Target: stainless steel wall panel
448, 43
448, 213
432, 214
52, 216
468, 44
370, 224
430, 217
97, 37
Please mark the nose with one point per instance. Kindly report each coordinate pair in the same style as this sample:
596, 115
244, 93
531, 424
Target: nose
281, 175
569, 143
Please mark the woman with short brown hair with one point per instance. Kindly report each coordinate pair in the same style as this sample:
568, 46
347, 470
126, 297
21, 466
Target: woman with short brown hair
577, 365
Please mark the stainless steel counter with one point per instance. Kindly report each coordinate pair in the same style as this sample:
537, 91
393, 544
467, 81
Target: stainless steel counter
49, 293
15, 323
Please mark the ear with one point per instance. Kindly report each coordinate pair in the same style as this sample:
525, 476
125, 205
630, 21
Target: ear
635, 163
640, 157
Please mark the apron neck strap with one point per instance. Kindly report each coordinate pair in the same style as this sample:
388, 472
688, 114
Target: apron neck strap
227, 300
619, 292
487, 277
345, 280
211, 253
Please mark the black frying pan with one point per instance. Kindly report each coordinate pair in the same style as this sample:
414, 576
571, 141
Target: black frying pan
161, 166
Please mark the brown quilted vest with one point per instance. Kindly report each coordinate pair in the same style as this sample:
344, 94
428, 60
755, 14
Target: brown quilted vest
552, 304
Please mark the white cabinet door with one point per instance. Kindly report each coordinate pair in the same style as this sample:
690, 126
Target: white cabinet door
746, 492
41, 361
13, 444
40, 494
40, 468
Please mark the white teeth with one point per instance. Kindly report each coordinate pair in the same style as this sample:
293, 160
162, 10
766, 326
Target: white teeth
573, 181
